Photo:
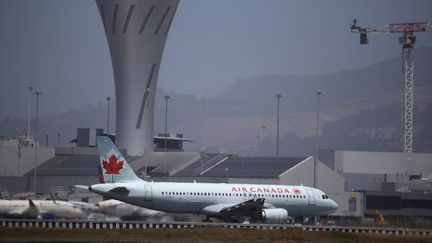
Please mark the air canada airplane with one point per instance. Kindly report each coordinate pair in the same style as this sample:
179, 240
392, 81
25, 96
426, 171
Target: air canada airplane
227, 202
39, 209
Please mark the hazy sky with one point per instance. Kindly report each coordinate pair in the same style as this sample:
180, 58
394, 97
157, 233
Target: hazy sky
60, 46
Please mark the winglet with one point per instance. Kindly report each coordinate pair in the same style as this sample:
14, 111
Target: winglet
52, 198
31, 203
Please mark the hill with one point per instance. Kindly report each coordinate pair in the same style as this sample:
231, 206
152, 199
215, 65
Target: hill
356, 105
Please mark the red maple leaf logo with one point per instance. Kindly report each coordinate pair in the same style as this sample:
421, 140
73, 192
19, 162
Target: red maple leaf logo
113, 166
297, 191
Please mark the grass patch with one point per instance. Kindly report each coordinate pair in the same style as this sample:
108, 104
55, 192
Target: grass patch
343, 236
189, 235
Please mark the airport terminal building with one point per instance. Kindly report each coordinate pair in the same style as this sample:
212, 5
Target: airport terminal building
360, 182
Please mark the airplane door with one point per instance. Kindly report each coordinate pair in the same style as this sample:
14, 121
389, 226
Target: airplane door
311, 198
147, 193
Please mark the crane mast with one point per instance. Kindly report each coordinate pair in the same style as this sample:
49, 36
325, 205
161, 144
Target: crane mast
407, 40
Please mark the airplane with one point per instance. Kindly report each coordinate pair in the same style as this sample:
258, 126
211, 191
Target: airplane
39, 209
227, 202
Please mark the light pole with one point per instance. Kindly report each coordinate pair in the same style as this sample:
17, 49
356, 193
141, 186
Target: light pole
257, 146
30, 88
263, 130
278, 96
108, 100
166, 97
318, 93
37, 93
58, 139
202, 161
46, 139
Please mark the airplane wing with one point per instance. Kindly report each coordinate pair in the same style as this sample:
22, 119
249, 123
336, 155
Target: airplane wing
236, 212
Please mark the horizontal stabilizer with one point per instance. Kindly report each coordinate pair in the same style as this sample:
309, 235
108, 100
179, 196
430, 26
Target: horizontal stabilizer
121, 191
83, 187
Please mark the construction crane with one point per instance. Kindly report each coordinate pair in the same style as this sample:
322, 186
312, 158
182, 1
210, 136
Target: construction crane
407, 40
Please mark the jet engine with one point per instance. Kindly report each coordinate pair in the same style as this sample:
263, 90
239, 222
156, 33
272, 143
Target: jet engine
274, 215
47, 215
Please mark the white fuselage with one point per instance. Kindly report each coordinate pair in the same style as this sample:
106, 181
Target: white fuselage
22, 208
202, 197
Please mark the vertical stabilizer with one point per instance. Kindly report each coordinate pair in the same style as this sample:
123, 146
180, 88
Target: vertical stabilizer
114, 166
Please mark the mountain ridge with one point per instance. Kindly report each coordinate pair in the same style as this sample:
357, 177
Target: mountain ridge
233, 119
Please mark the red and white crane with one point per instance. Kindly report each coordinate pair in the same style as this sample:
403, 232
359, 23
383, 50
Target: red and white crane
407, 40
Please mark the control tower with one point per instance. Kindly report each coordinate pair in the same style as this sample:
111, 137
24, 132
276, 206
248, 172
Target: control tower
136, 31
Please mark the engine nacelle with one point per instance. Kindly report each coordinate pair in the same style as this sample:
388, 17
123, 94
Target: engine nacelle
274, 215
47, 215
